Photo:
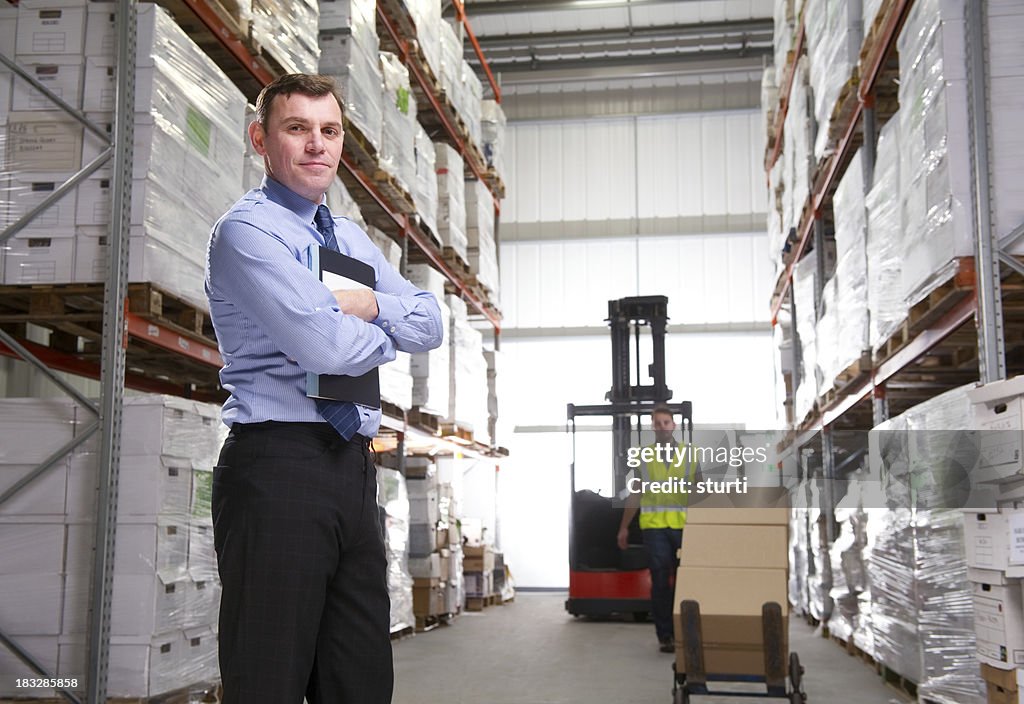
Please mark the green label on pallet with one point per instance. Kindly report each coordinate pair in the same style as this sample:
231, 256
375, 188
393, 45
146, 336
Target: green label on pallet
198, 131
402, 100
202, 493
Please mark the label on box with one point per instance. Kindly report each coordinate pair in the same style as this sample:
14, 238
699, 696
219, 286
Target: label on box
39, 143
1016, 523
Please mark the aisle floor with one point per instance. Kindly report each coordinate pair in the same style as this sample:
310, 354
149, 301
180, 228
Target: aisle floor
532, 652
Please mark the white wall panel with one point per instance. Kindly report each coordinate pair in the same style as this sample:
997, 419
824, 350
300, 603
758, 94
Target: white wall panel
714, 164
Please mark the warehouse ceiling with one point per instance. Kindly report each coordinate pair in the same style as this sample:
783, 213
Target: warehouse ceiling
532, 42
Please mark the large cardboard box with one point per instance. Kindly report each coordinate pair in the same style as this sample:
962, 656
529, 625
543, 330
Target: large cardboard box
999, 414
478, 558
763, 546
428, 597
999, 624
1003, 685
731, 599
986, 541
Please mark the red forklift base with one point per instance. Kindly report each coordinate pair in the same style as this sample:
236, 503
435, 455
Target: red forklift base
608, 592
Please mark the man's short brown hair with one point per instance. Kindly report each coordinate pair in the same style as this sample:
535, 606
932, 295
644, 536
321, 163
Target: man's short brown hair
662, 408
308, 84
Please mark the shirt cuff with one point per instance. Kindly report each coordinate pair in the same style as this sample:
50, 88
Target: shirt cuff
391, 313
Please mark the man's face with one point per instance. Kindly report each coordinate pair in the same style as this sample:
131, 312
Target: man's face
301, 143
664, 425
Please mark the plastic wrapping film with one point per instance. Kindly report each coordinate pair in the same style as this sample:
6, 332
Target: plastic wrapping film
492, 134
397, 154
796, 150
188, 148
851, 586
166, 593
887, 306
472, 96
286, 31
869, 12
798, 550
426, 14
834, 36
482, 250
342, 204
451, 194
819, 561
431, 371
424, 194
350, 53
783, 37
827, 335
468, 381
803, 301
851, 267
393, 499
1005, 20
451, 57
396, 381
935, 164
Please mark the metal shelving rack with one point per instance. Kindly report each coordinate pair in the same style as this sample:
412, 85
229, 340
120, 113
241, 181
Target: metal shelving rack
124, 328
977, 290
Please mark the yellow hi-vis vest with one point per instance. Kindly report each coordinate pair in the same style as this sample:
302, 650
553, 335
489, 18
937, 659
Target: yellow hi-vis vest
666, 510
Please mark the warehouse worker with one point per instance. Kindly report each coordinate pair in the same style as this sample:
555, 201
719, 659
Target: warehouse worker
305, 606
662, 517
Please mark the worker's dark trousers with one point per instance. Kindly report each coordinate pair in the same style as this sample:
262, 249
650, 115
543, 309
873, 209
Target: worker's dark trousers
305, 609
662, 545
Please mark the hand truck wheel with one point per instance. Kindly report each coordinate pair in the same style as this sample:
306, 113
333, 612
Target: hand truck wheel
796, 677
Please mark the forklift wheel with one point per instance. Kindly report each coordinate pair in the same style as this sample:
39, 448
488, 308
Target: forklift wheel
796, 671
680, 696
640, 616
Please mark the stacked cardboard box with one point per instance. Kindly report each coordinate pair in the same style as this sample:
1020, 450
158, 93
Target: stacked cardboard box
286, 31
834, 36
166, 591
426, 15
478, 570
424, 194
349, 52
431, 371
732, 562
434, 546
467, 396
492, 132
451, 194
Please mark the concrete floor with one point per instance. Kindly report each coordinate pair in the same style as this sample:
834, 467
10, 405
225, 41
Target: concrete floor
532, 652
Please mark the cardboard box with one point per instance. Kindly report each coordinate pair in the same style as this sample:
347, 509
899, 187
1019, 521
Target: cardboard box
60, 74
428, 597
479, 584
999, 624
202, 557
1003, 685
140, 666
31, 548
31, 603
41, 500
428, 567
51, 27
26, 192
714, 545
423, 509
142, 548
100, 22
149, 486
46, 144
39, 260
478, 558
986, 540
999, 413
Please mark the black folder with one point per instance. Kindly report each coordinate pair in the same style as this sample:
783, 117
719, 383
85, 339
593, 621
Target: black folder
341, 271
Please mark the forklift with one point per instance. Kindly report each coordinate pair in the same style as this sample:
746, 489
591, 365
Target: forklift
604, 580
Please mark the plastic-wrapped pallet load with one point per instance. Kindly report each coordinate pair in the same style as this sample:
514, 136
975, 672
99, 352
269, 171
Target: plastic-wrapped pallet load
451, 194
884, 239
189, 122
426, 15
851, 588
165, 588
467, 404
492, 134
834, 36
397, 154
798, 544
431, 372
342, 204
803, 301
796, 150
827, 335
935, 138
286, 32
393, 498
350, 53
783, 37
451, 57
472, 94
483, 251
424, 194
851, 268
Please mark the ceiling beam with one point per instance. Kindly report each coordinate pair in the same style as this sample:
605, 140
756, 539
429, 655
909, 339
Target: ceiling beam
680, 31
754, 54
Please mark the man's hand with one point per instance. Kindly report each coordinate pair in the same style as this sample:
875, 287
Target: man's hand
623, 538
358, 302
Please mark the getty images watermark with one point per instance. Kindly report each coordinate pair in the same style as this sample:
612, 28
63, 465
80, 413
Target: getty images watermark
681, 459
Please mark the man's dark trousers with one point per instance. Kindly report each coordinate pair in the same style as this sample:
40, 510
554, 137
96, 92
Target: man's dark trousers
305, 610
662, 546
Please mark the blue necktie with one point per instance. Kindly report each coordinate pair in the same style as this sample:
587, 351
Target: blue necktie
342, 415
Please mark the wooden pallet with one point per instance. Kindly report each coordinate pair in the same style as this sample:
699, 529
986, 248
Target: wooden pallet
852, 650
493, 180
425, 420
429, 623
456, 430
502, 600
479, 603
874, 34
389, 187
850, 377
456, 261
896, 680
403, 633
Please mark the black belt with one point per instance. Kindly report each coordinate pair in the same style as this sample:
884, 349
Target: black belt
323, 429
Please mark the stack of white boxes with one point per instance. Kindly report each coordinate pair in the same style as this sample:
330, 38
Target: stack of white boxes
43, 142
467, 397
450, 74
349, 52
483, 251
166, 591
429, 555
286, 32
492, 134
189, 126
397, 155
451, 194
935, 137
431, 372
424, 194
